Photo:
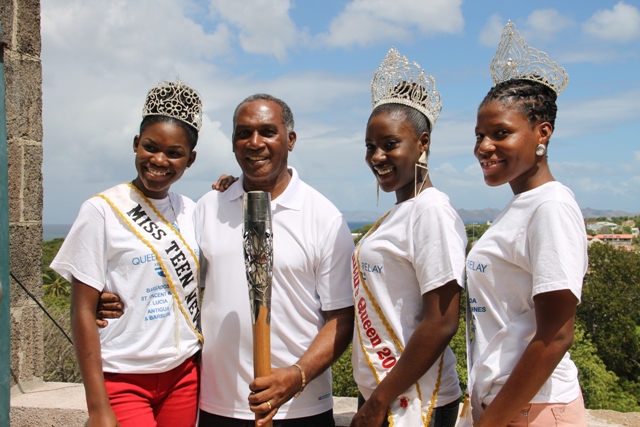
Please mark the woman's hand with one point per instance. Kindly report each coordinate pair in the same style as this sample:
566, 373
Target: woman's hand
103, 418
224, 182
109, 307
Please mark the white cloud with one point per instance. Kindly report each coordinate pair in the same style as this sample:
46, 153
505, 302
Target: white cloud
453, 136
101, 58
265, 26
491, 32
473, 169
544, 24
586, 116
592, 55
135, 35
589, 186
446, 168
620, 24
579, 168
366, 22
541, 24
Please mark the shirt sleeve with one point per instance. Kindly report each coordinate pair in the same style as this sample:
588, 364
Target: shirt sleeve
557, 246
332, 274
439, 242
83, 253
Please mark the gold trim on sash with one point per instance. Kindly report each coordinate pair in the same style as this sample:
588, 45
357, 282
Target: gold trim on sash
399, 348
170, 231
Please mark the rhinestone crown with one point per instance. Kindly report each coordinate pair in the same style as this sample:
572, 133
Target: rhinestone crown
174, 99
399, 82
517, 60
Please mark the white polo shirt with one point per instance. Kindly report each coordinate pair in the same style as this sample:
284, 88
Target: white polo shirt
312, 246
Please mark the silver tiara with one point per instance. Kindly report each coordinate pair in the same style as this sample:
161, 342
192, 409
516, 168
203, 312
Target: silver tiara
517, 60
174, 99
399, 82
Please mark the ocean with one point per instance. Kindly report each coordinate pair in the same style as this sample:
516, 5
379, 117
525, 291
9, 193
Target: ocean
55, 231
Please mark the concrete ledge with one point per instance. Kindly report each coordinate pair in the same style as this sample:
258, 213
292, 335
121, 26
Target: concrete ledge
344, 408
44, 404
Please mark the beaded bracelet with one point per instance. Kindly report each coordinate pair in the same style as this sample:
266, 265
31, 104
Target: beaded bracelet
304, 379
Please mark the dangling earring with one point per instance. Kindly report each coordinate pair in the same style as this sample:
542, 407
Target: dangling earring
541, 149
422, 164
377, 192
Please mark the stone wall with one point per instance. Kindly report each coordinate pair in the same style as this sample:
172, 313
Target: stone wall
20, 21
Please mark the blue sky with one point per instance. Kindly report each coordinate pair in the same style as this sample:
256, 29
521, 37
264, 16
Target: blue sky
100, 58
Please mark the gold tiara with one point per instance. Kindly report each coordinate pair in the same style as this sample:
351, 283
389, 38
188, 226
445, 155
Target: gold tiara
399, 82
174, 99
517, 60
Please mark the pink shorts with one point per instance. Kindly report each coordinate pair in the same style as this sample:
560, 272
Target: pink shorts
570, 414
167, 399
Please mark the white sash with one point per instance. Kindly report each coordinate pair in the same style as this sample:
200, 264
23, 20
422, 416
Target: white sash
382, 349
176, 258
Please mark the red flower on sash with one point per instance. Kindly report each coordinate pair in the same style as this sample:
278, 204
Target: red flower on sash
404, 402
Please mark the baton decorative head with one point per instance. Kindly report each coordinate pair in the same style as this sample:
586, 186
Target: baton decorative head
258, 250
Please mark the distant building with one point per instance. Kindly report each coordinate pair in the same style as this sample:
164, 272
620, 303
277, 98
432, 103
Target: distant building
612, 239
595, 226
629, 223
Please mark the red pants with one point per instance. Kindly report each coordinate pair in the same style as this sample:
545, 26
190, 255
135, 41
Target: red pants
168, 399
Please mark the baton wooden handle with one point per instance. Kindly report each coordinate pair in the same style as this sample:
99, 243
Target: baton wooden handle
262, 349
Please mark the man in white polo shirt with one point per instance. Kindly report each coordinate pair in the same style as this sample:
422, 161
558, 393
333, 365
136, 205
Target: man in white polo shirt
311, 303
312, 307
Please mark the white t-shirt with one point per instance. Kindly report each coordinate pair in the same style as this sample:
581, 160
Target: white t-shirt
102, 252
419, 247
537, 244
312, 246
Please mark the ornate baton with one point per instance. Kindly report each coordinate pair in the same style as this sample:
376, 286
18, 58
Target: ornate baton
258, 261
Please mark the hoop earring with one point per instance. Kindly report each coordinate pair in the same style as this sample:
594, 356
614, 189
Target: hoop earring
422, 164
541, 149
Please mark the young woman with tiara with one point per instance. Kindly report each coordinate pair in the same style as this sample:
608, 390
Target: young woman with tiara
525, 273
409, 268
137, 240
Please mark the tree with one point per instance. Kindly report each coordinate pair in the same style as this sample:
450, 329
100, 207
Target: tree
608, 311
342, 371
459, 346
55, 286
475, 231
601, 388
59, 358
360, 232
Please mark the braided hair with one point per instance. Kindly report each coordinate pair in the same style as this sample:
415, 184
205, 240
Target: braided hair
534, 100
